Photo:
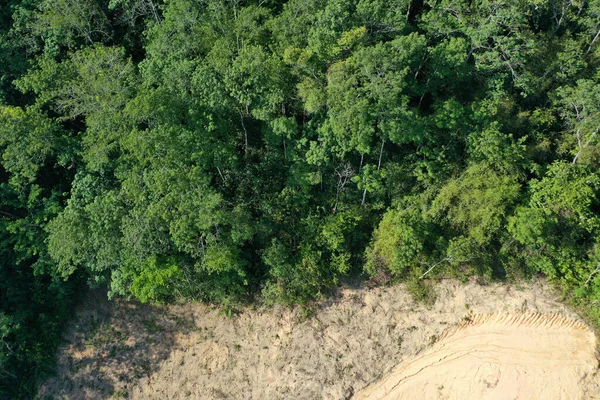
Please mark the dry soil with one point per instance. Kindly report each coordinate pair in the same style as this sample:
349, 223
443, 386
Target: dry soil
360, 344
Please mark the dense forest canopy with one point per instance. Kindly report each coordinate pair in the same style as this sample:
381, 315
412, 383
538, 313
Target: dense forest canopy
232, 151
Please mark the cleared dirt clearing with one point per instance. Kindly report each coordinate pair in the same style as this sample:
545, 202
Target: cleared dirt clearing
499, 356
193, 351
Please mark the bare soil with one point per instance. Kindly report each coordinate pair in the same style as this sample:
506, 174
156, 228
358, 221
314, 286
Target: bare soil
352, 342
500, 356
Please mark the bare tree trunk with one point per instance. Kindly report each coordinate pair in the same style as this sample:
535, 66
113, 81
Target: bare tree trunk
222, 177
362, 155
593, 41
344, 173
154, 12
245, 133
433, 266
380, 154
203, 246
594, 272
364, 196
578, 145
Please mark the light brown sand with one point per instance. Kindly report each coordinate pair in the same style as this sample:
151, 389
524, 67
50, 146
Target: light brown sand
499, 356
195, 352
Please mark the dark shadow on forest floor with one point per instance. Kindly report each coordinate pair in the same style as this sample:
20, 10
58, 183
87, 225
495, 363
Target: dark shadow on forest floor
111, 346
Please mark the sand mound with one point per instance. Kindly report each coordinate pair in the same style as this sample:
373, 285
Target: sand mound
499, 356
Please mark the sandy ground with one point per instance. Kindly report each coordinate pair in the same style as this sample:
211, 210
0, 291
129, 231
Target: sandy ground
193, 351
500, 356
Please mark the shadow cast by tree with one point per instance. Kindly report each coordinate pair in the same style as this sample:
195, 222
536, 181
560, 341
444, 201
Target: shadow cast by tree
112, 345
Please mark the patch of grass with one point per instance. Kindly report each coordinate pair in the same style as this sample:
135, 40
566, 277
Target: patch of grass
101, 335
183, 323
229, 311
151, 326
433, 339
420, 289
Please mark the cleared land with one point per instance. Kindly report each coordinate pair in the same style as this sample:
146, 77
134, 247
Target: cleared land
500, 356
351, 341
